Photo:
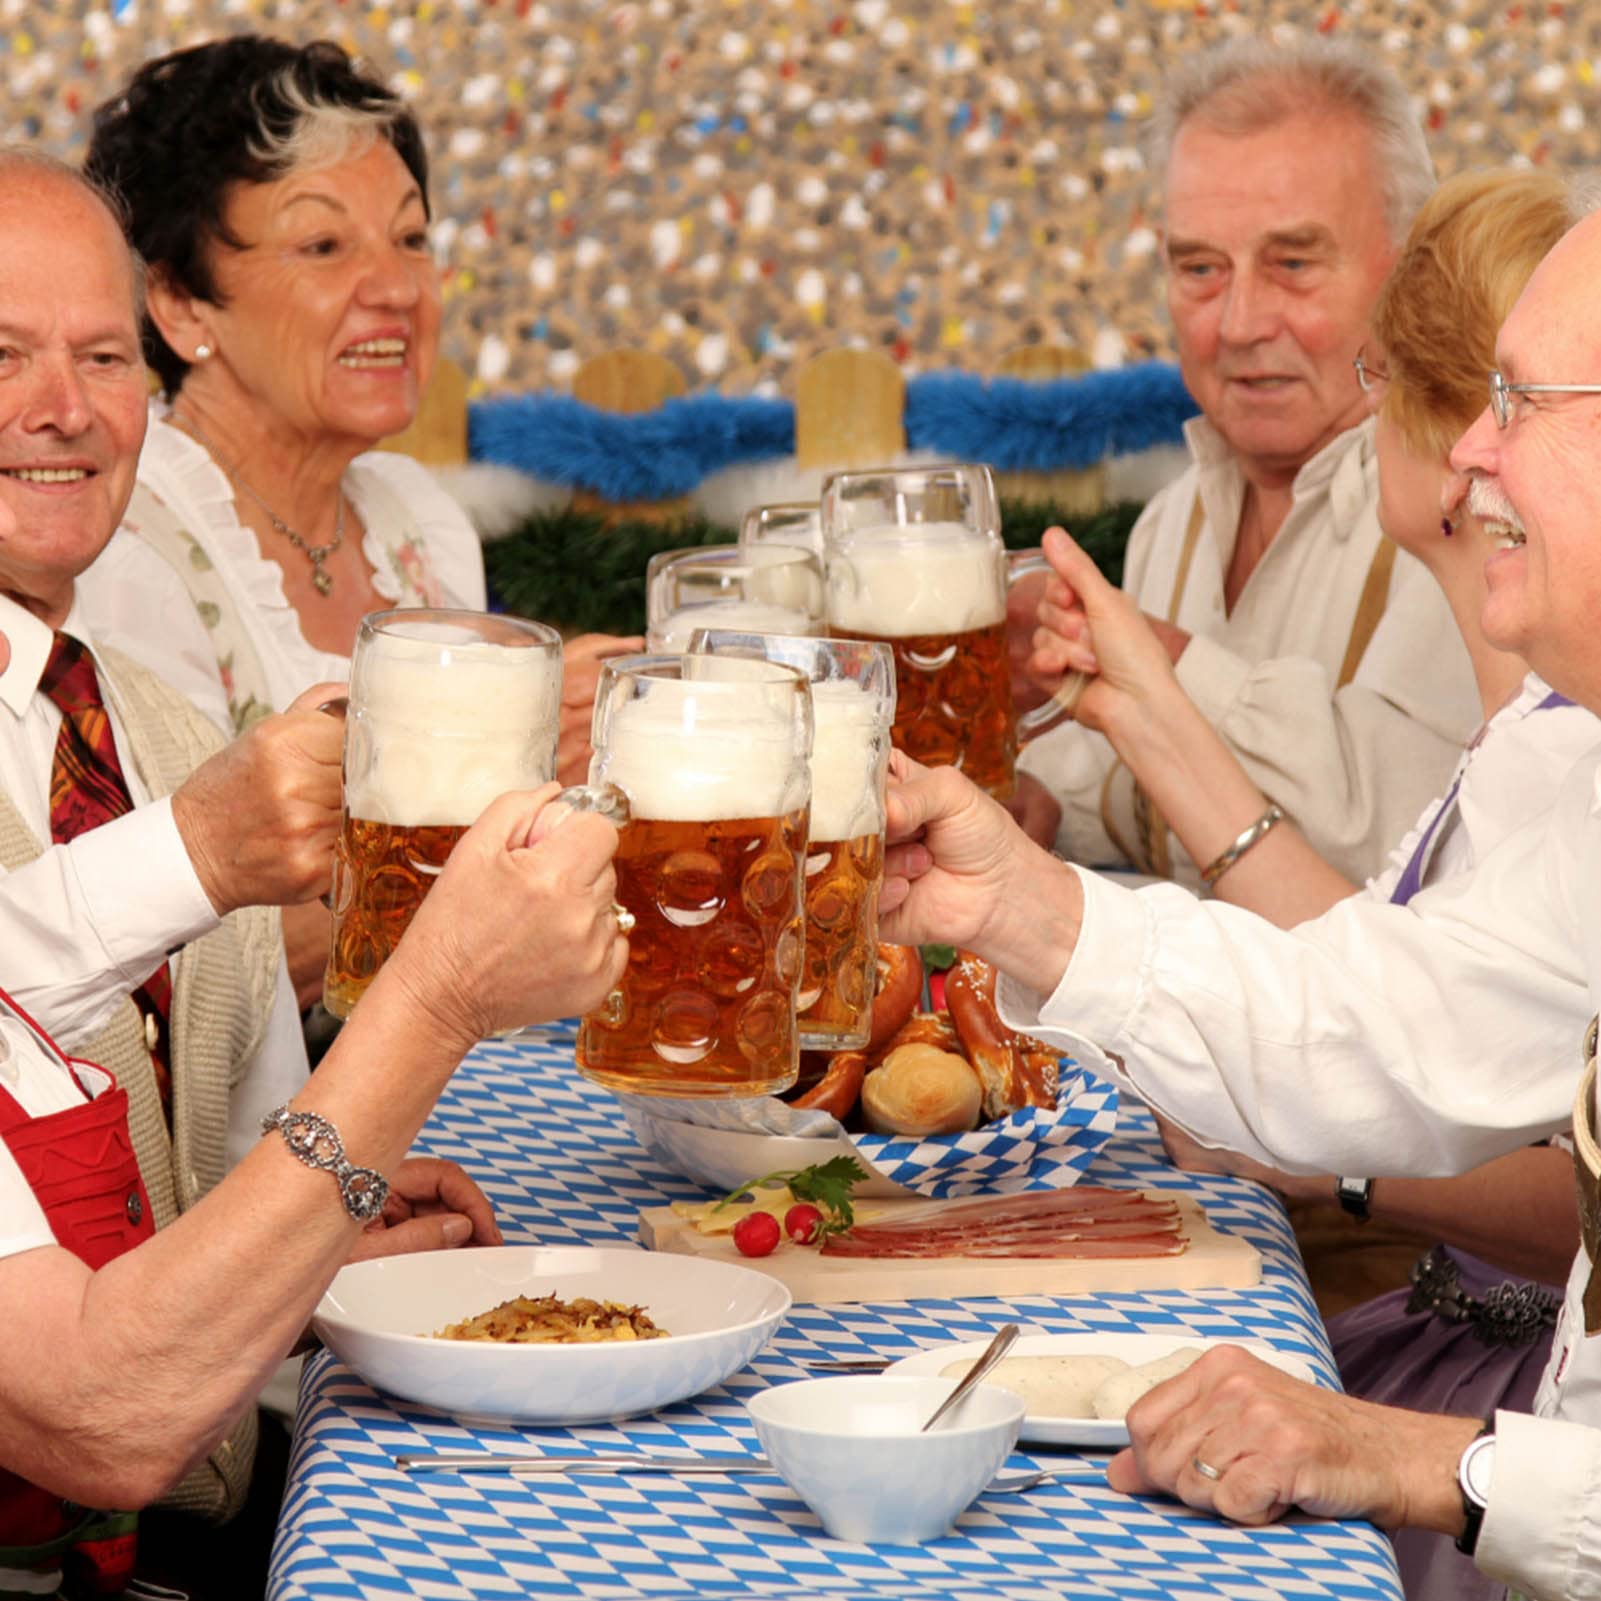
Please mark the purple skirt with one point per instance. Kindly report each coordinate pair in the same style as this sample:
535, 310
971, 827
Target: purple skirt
1420, 1361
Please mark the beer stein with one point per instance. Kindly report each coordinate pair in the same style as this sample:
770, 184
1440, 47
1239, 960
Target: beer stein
448, 710
853, 709
769, 589
797, 522
712, 758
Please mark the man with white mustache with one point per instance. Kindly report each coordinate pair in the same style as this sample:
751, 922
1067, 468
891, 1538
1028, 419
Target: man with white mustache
1418, 1039
1326, 660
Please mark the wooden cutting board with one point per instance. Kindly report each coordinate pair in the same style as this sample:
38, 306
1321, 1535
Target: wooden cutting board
1212, 1261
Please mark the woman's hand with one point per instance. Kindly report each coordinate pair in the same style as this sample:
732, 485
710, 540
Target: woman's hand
960, 871
433, 1206
519, 928
1090, 626
581, 661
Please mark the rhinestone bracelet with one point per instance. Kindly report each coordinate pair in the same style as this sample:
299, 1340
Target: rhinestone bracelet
315, 1141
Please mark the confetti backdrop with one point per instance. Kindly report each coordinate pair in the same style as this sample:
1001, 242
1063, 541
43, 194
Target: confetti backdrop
739, 183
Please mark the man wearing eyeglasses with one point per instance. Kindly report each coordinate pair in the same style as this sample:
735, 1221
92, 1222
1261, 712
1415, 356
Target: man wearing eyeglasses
1414, 1039
1327, 660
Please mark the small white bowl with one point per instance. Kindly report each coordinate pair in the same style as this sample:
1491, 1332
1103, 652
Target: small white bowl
852, 1450
378, 1317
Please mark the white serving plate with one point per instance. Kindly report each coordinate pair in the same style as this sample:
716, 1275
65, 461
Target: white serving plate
1135, 1349
723, 1159
377, 1317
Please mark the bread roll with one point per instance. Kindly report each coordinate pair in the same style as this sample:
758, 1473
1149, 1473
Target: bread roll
919, 1090
1113, 1398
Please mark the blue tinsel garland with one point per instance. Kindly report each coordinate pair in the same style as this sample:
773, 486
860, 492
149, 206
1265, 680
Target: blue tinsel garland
1010, 423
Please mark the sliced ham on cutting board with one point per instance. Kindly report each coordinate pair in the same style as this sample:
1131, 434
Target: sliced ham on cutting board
1046, 1242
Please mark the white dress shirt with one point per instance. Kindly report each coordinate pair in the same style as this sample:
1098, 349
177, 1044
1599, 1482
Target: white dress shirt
89, 921
1352, 766
1383, 1039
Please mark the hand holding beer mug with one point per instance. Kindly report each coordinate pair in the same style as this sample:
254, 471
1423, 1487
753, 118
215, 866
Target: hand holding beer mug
711, 757
770, 589
797, 522
915, 560
853, 710
448, 710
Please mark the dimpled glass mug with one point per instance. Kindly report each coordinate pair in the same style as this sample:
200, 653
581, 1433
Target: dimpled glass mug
712, 760
792, 522
914, 559
769, 589
853, 711
447, 711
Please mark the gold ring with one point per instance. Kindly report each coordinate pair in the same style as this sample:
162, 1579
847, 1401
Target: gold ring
1205, 1469
625, 918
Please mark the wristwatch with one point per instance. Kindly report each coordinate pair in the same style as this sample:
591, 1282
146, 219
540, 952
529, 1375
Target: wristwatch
1355, 1196
1475, 1470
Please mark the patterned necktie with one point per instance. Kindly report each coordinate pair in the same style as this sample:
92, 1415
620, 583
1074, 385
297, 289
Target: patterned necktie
87, 789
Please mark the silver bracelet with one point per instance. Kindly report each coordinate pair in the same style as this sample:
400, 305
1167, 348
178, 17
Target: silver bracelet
1258, 830
312, 1138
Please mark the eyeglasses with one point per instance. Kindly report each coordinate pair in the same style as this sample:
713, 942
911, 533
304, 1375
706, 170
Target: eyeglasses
1501, 393
1368, 376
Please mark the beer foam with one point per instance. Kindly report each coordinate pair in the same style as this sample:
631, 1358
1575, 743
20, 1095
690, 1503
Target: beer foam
850, 749
688, 752
435, 734
915, 578
671, 635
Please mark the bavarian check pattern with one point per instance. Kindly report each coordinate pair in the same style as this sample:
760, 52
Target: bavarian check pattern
560, 1165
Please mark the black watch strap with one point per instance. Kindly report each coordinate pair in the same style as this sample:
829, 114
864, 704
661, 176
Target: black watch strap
1355, 1196
1473, 1506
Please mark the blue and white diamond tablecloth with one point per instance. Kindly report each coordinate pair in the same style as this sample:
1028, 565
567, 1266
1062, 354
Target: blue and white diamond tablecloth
561, 1167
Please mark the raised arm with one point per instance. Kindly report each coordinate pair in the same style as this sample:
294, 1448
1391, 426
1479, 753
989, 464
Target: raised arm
518, 929
1192, 777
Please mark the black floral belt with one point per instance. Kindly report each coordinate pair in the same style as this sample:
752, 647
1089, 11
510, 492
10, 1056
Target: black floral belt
1507, 1315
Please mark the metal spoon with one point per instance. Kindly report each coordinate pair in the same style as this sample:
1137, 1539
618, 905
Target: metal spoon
993, 1352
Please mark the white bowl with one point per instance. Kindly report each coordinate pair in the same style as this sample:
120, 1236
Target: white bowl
378, 1318
723, 1159
851, 1449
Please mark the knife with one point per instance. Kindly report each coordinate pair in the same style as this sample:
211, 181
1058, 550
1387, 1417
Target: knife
621, 1462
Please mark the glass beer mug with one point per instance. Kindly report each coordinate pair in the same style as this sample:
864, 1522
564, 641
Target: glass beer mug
853, 710
712, 759
915, 560
797, 522
771, 589
448, 710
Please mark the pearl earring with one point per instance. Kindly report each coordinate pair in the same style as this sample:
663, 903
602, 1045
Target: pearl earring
202, 352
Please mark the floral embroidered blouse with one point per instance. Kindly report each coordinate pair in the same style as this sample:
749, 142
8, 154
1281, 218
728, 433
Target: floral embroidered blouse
239, 652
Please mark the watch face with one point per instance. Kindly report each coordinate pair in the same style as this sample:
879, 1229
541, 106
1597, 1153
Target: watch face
1478, 1469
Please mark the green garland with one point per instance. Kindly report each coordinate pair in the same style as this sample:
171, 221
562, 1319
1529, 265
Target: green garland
573, 571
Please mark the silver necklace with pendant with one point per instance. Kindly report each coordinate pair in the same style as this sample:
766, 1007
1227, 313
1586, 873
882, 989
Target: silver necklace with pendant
321, 581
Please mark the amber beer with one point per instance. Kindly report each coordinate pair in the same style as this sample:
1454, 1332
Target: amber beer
448, 710
710, 867
935, 593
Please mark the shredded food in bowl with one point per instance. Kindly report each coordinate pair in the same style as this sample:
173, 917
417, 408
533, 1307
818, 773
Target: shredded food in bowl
548, 1320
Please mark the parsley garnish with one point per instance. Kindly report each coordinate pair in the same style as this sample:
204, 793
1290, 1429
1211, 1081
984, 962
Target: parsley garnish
827, 1185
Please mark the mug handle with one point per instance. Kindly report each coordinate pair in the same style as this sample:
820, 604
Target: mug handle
1065, 697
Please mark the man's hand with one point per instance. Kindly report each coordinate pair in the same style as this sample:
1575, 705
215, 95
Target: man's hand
959, 871
432, 1206
519, 928
1278, 1442
260, 818
581, 661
